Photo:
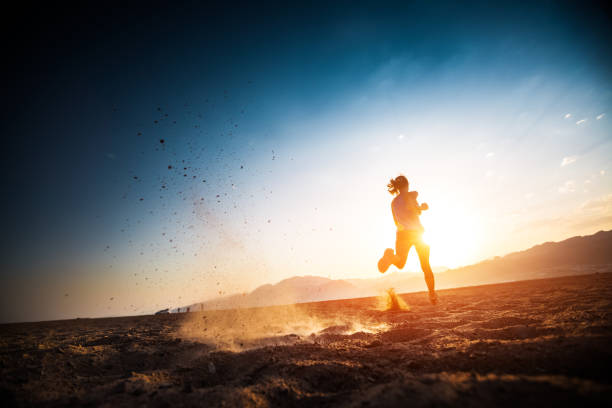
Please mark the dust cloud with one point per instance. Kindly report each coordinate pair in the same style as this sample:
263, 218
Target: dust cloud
248, 328
390, 301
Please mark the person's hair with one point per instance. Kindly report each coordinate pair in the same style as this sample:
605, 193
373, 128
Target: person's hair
396, 184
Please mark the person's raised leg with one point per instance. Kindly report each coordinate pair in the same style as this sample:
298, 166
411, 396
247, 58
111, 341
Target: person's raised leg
387, 259
423, 252
402, 247
397, 258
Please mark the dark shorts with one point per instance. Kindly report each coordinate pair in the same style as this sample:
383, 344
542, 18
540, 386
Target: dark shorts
406, 239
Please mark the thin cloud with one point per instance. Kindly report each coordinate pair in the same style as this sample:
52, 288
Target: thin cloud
490, 154
581, 121
568, 187
600, 116
601, 204
567, 115
568, 160
594, 213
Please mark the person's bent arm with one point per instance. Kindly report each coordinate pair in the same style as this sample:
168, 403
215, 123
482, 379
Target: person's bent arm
397, 224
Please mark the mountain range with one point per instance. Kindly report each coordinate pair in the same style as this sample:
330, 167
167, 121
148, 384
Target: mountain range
573, 256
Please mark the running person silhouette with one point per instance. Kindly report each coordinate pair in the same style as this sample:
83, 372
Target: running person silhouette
406, 211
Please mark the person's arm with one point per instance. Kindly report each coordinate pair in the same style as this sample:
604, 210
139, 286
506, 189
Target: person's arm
419, 207
393, 213
397, 223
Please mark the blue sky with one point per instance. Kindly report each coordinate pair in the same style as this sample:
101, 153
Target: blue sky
282, 127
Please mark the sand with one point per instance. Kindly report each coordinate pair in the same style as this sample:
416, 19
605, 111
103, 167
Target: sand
530, 343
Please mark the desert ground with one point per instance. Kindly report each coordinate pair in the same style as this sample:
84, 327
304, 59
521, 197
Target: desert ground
531, 343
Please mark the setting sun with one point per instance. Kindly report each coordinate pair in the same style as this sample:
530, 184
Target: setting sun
455, 237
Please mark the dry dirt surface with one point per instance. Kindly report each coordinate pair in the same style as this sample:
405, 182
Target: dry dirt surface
530, 343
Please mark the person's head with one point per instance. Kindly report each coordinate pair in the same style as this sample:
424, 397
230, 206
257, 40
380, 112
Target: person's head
397, 185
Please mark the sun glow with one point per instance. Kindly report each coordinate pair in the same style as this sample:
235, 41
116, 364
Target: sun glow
454, 236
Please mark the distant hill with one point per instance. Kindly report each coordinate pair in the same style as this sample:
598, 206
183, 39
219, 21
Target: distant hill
573, 256
593, 249
298, 289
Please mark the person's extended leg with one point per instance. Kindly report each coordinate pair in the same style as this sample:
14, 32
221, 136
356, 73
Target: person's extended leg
402, 246
423, 252
403, 242
385, 262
